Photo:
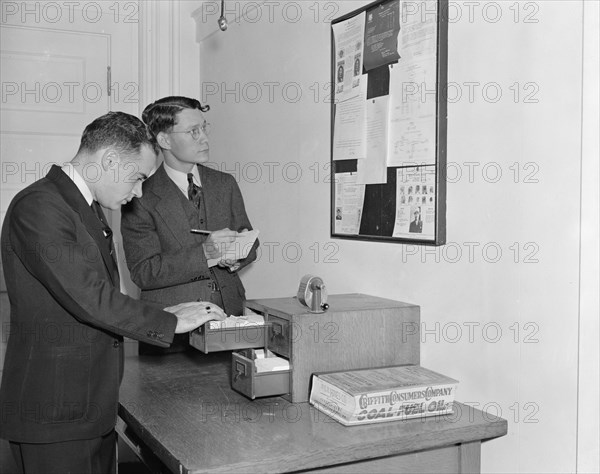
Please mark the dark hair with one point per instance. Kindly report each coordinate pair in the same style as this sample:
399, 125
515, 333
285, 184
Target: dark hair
122, 131
161, 115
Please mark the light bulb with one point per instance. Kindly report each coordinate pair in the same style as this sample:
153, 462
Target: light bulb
222, 22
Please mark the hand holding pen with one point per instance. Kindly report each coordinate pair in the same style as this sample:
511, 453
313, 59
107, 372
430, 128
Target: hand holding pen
217, 243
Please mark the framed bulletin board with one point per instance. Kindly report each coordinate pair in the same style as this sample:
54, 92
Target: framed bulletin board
388, 122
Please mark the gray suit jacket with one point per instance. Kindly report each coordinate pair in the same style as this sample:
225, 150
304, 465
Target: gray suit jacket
165, 259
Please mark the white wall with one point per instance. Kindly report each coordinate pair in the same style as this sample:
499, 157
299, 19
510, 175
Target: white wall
589, 353
500, 303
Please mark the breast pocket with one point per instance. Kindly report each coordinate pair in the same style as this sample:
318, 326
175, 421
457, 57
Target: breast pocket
57, 385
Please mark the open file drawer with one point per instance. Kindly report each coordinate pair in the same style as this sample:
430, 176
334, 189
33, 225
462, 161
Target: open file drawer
226, 339
246, 380
278, 335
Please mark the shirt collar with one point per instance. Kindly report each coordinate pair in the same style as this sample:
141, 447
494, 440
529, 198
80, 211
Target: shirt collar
180, 178
84, 189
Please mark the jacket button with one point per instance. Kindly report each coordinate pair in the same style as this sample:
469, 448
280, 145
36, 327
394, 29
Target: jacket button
160, 335
116, 343
150, 333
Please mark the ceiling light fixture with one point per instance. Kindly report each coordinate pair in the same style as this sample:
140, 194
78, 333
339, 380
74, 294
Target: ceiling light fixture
222, 21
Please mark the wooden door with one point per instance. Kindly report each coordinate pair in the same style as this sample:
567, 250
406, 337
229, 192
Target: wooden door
54, 83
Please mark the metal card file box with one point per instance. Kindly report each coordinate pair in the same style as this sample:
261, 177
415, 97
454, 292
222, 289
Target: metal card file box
358, 331
245, 379
213, 340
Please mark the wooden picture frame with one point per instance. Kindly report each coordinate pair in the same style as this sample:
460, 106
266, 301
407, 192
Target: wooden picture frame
415, 135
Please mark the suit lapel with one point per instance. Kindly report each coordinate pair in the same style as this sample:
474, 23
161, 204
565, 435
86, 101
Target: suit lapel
73, 197
169, 207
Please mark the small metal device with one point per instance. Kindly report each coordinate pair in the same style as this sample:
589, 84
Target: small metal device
222, 21
313, 294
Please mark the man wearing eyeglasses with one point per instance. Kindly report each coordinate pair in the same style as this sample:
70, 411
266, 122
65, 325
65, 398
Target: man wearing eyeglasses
166, 260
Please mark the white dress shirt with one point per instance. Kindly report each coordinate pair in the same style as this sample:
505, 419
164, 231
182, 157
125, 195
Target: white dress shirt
180, 178
72, 173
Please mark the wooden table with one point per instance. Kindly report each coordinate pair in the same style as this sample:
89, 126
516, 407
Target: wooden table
180, 414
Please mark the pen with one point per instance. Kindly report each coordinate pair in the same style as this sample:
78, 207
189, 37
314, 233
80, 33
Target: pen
200, 231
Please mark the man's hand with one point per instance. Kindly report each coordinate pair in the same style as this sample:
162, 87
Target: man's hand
232, 265
194, 314
217, 243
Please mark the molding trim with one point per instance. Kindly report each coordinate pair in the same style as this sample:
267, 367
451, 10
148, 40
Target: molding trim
160, 46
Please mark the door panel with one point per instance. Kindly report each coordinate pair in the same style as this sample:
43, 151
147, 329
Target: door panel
53, 85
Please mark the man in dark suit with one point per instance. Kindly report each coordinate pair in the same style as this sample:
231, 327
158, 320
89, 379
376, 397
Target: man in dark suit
416, 225
166, 260
64, 357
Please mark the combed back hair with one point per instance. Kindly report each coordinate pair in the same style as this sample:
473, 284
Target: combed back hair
161, 116
124, 132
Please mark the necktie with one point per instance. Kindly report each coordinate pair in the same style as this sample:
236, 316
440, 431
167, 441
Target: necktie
105, 228
194, 191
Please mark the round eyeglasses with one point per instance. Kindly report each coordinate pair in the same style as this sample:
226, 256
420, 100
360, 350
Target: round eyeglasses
195, 132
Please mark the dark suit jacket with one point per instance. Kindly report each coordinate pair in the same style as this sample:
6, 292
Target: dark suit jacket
165, 259
415, 226
64, 358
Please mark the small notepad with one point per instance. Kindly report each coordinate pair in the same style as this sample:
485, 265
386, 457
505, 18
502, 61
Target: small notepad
239, 249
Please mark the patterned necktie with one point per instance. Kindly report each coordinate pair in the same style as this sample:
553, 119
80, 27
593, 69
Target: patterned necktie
194, 191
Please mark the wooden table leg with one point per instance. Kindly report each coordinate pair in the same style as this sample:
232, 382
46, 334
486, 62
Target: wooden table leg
470, 457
